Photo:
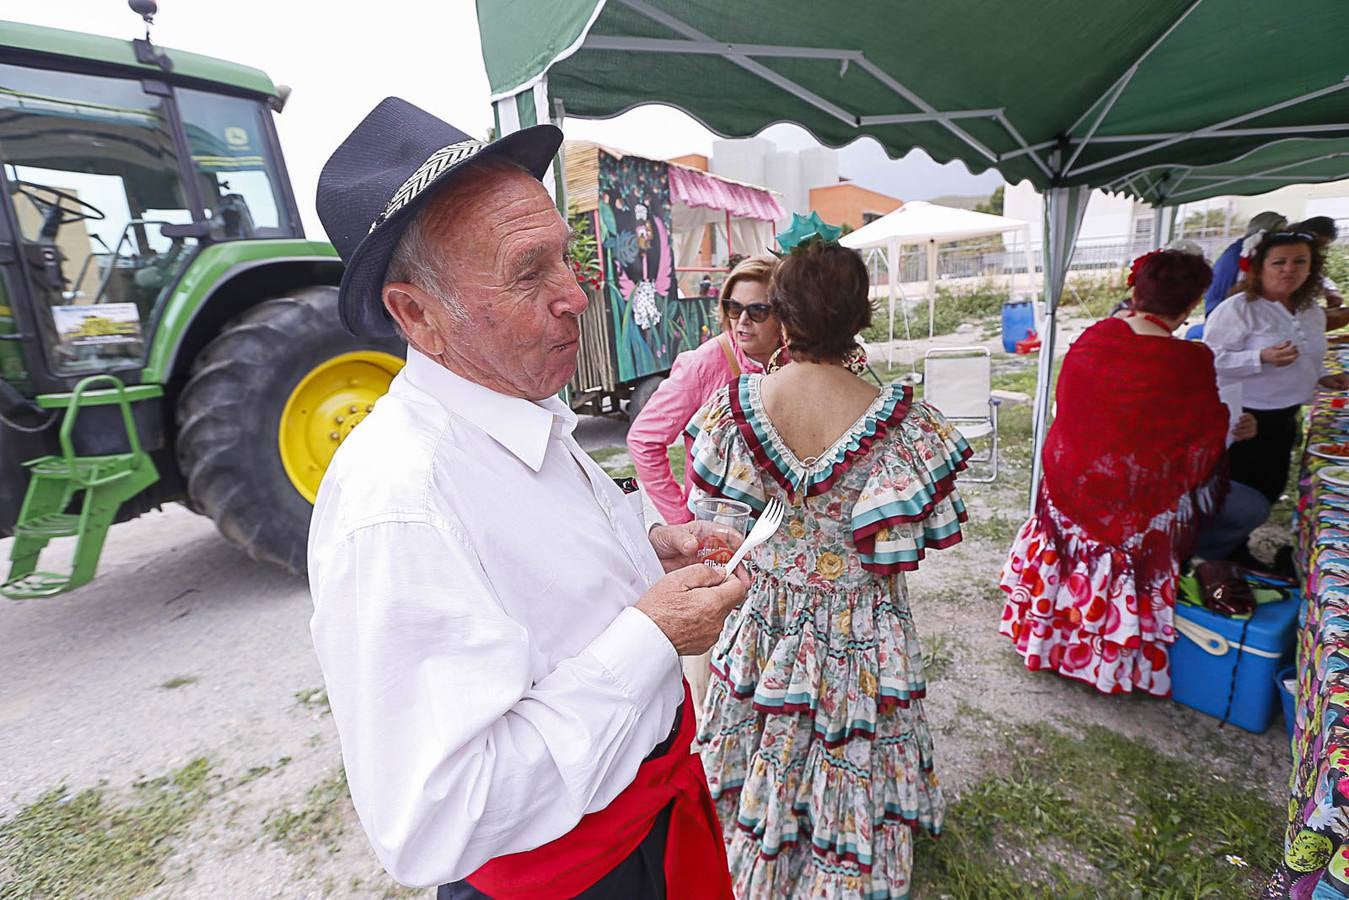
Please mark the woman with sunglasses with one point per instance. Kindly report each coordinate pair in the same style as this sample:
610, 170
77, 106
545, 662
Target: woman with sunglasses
1269, 337
750, 335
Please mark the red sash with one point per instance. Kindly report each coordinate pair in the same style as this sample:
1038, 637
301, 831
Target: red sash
695, 857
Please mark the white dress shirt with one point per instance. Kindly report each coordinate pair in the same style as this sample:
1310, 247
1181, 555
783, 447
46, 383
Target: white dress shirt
1239, 328
472, 571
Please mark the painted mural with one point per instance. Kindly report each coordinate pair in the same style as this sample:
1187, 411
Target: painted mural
651, 325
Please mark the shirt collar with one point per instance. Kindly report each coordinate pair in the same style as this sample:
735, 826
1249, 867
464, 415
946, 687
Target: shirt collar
521, 426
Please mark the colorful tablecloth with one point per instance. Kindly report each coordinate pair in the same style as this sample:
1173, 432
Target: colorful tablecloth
1316, 844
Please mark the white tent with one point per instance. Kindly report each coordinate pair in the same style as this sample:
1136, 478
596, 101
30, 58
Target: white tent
921, 223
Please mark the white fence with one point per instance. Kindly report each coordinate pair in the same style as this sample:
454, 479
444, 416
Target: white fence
995, 262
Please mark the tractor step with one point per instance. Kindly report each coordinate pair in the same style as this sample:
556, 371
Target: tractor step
83, 469
36, 585
74, 496
52, 525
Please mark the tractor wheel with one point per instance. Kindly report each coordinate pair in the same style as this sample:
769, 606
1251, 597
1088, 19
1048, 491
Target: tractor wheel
269, 401
641, 395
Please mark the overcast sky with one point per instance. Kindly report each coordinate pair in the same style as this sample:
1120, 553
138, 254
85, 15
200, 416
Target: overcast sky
341, 59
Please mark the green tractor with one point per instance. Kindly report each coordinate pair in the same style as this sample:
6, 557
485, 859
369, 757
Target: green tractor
167, 333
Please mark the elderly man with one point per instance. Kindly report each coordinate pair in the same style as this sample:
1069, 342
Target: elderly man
498, 637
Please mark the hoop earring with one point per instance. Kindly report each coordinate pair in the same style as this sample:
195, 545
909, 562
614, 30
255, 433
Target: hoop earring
773, 364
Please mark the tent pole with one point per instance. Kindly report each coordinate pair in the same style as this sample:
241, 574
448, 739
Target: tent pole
1158, 227
1063, 211
729, 251
931, 288
1030, 272
893, 271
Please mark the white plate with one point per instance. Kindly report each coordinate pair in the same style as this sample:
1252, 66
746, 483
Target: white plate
1336, 475
1318, 449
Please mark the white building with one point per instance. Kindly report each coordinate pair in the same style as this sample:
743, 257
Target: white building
1117, 228
792, 173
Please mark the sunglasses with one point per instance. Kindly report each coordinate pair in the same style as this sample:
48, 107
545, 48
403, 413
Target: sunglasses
758, 312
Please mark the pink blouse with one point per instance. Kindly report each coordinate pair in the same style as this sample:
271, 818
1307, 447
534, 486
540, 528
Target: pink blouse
696, 374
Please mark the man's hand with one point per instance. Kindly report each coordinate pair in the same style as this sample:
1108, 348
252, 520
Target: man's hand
690, 605
1336, 317
1335, 382
1333, 299
676, 546
1281, 354
1244, 430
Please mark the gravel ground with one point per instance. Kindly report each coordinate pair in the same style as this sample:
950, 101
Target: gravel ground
182, 648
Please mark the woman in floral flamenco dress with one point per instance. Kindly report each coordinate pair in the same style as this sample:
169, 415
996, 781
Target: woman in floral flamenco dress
813, 735
1132, 465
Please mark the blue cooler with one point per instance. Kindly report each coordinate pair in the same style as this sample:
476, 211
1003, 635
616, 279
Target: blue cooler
1205, 655
1018, 322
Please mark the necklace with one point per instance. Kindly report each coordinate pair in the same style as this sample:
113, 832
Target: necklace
1149, 317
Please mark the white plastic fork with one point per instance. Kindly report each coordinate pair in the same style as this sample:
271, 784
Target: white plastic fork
769, 521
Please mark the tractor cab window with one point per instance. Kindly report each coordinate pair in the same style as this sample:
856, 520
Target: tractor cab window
92, 177
234, 165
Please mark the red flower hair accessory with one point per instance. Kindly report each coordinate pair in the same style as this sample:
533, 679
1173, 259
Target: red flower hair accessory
1248, 248
1138, 266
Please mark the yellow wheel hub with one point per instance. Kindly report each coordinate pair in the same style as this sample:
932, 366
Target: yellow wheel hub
324, 407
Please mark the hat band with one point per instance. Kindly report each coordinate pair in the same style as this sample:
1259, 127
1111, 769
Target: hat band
426, 173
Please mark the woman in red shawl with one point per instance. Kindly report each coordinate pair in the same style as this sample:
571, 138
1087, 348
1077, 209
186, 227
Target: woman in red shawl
1130, 464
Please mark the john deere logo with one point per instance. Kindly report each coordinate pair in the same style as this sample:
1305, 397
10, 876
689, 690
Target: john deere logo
236, 137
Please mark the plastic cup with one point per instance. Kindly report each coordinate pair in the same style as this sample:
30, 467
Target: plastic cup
715, 550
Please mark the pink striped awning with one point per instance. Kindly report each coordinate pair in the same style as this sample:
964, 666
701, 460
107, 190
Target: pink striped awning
693, 188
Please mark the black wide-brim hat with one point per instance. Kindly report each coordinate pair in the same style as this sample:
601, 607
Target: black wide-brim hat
374, 183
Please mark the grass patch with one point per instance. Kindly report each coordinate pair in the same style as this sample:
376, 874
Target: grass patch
1014, 422
939, 652
93, 845
1099, 815
318, 821
179, 681
677, 454
996, 529
256, 772
616, 462
313, 698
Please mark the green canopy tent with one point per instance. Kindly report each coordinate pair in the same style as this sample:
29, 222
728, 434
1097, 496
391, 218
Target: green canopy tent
1267, 168
1066, 94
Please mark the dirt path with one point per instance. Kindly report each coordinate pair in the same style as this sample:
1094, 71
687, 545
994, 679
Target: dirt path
183, 650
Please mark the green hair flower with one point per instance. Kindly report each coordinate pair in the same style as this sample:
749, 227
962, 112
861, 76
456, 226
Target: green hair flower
805, 228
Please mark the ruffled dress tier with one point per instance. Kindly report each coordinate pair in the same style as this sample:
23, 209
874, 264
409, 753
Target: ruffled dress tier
1093, 612
814, 740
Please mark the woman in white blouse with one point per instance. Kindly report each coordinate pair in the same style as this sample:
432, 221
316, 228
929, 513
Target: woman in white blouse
1269, 337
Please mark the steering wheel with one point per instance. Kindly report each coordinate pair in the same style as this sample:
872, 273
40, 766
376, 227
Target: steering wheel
57, 207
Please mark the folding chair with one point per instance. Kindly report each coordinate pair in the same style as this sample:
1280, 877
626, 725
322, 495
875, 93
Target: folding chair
958, 381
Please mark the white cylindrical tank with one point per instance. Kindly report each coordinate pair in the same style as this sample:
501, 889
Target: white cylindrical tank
742, 160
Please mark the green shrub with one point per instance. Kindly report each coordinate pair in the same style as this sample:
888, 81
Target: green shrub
1337, 265
982, 303
952, 308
